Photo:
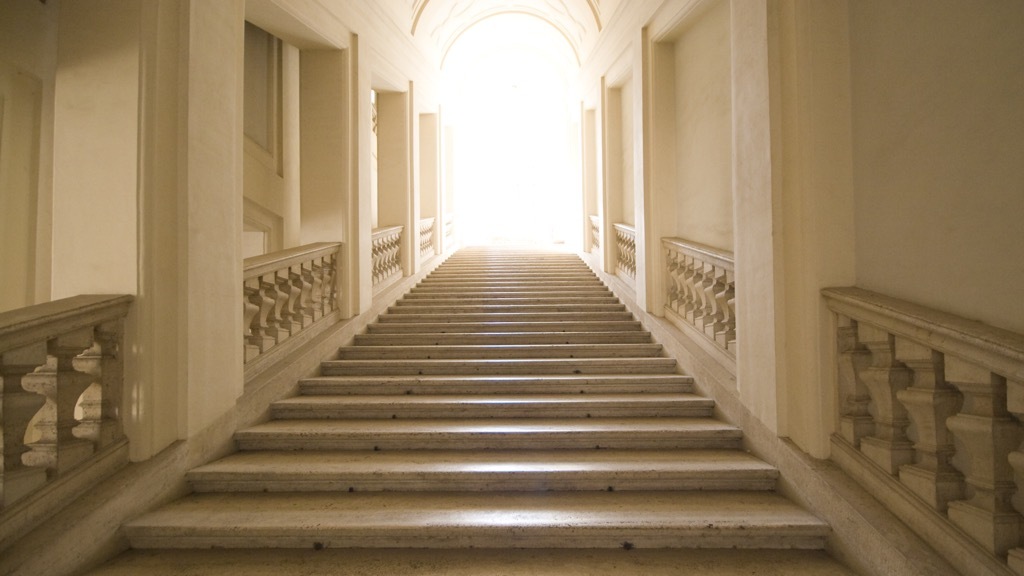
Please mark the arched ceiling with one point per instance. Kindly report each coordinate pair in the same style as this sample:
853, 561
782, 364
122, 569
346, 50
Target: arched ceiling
444, 21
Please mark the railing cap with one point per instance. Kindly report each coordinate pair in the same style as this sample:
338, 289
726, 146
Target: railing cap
997, 348
715, 256
38, 323
259, 265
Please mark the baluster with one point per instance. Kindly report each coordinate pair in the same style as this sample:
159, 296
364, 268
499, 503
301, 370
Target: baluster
110, 336
855, 420
313, 271
1015, 405
726, 300
17, 408
57, 380
262, 337
302, 296
251, 328
330, 285
889, 446
89, 411
672, 280
275, 322
289, 296
929, 401
696, 283
702, 308
713, 322
984, 434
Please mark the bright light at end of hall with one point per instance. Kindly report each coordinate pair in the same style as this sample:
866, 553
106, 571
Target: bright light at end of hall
507, 84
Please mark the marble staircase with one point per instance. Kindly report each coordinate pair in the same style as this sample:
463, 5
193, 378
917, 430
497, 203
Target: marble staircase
508, 404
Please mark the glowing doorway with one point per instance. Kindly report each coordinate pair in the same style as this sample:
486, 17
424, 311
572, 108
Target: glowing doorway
508, 87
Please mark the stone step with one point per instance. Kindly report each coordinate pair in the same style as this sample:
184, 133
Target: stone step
491, 434
480, 520
501, 327
500, 308
501, 351
538, 284
511, 301
502, 338
624, 316
501, 295
500, 288
446, 471
503, 367
475, 562
493, 406
567, 384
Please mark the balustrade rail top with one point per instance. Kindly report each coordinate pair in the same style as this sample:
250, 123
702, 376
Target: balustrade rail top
708, 254
951, 334
259, 265
422, 220
625, 227
385, 230
32, 324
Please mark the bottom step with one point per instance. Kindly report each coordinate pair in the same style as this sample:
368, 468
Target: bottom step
386, 562
490, 520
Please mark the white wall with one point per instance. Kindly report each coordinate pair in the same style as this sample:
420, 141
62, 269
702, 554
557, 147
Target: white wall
703, 91
938, 154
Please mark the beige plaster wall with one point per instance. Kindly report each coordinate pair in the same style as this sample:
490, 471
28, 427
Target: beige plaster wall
95, 247
938, 88
703, 91
28, 45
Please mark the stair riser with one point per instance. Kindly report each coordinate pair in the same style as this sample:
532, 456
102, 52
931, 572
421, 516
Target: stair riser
506, 317
495, 295
496, 367
508, 536
500, 327
497, 352
679, 410
486, 300
495, 482
509, 339
488, 441
506, 288
504, 309
324, 387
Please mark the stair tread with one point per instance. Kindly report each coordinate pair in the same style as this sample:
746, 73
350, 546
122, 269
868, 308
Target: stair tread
495, 426
300, 465
441, 520
479, 562
504, 399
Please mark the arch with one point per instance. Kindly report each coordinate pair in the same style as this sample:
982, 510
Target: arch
420, 7
446, 49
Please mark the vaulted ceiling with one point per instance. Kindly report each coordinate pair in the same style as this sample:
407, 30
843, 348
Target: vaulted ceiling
443, 21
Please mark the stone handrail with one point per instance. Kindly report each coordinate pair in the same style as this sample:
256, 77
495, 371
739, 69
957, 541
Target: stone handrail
286, 292
930, 409
426, 236
701, 290
625, 242
595, 232
61, 372
387, 254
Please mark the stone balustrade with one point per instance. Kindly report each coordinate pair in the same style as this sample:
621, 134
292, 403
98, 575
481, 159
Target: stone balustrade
625, 243
387, 254
701, 290
930, 409
595, 233
426, 236
286, 292
61, 379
